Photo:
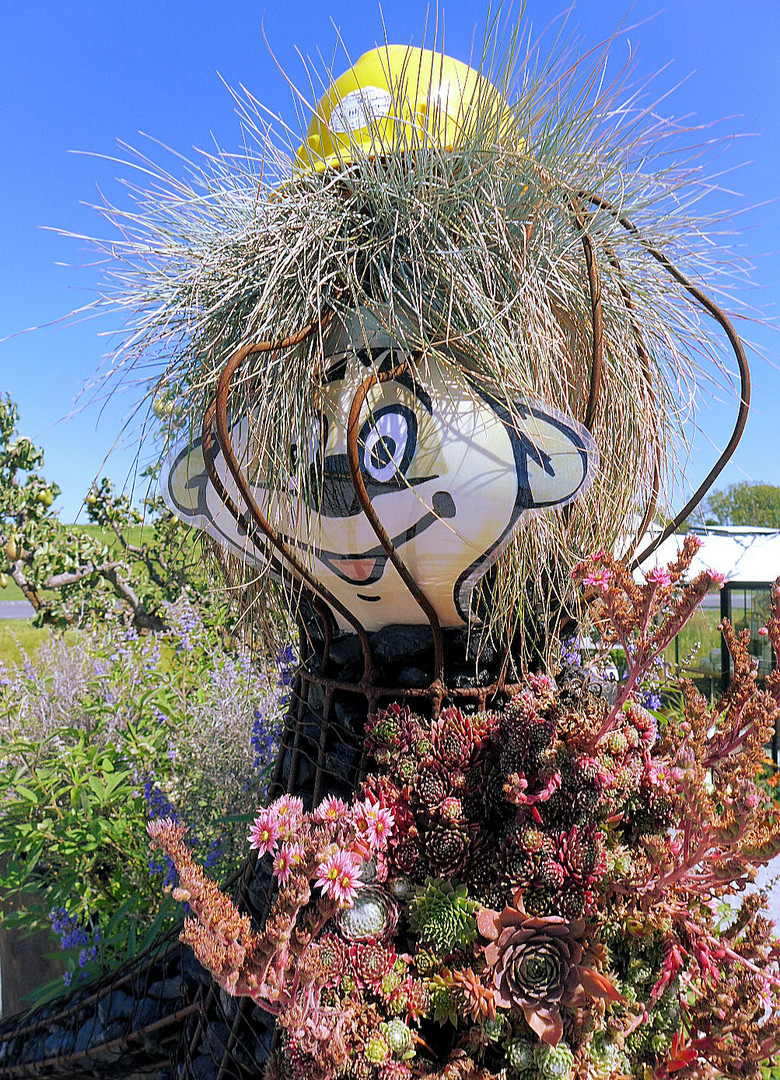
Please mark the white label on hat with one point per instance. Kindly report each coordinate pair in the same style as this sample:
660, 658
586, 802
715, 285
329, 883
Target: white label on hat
359, 109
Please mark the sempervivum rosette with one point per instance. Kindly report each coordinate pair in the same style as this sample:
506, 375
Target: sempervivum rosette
535, 964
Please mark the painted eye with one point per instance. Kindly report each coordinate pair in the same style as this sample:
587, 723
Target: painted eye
388, 442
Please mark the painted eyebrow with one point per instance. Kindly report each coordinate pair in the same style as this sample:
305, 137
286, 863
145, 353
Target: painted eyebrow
367, 358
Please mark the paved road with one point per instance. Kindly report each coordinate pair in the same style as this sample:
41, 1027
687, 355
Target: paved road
16, 609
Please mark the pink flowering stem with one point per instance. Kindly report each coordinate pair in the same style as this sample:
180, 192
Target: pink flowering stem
730, 954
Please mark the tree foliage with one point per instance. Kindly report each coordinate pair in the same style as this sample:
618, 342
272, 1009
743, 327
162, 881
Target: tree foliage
747, 503
70, 574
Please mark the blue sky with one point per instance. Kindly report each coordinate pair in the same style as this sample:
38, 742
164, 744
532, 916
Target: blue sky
79, 76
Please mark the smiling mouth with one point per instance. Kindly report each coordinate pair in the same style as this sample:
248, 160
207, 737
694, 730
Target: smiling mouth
368, 566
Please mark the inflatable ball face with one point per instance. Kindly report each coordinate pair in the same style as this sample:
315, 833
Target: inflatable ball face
449, 468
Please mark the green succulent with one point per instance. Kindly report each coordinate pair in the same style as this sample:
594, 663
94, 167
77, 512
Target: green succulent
493, 1028
520, 1054
376, 1049
443, 916
554, 1062
443, 1001
608, 1055
398, 1038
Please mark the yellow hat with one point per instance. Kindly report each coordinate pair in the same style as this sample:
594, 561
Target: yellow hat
396, 99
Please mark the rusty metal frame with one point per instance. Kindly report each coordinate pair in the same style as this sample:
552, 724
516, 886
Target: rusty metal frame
120, 1043
286, 562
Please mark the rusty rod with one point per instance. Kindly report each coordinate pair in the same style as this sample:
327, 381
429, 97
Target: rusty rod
226, 445
720, 317
353, 458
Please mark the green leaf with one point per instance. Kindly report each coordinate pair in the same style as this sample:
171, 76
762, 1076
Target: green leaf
26, 793
97, 787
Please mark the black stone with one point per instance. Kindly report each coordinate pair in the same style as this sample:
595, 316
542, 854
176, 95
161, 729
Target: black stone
89, 1034
347, 650
203, 1068
401, 643
166, 989
413, 677
116, 1006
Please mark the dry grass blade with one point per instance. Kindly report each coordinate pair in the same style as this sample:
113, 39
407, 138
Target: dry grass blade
479, 251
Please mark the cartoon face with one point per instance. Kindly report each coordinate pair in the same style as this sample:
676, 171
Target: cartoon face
450, 471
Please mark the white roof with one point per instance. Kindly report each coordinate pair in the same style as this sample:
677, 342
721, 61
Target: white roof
742, 553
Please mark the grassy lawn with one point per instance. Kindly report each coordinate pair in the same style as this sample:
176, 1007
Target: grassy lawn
19, 632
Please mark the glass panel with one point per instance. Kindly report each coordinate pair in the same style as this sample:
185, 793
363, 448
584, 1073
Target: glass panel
696, 651
749, 608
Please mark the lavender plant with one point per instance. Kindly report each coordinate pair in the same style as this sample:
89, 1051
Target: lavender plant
103, 730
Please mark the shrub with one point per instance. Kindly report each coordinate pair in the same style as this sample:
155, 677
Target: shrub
102, 731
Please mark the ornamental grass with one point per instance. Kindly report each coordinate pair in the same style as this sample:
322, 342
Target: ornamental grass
473, 258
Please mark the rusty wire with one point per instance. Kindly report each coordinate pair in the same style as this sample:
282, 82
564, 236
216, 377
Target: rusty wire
353, 426
597, 321
261, 522
436, 692
720, 317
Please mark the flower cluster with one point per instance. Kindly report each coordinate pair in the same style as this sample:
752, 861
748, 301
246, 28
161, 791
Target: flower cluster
75, 937
531, 892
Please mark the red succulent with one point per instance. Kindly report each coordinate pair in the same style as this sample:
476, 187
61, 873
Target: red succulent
536, 968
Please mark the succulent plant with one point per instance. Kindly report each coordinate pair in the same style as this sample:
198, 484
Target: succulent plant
580, 853
370, 963
520, 1055
554, 1062
448, 847
431, 786
452, 738
443, 916
535, 965
387, 733
376, 1049
372, 917
398, 1038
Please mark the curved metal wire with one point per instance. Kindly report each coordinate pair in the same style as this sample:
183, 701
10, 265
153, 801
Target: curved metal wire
597, 321
321, 599
644, 360
353, 458
207, 445
734, 340
226, 445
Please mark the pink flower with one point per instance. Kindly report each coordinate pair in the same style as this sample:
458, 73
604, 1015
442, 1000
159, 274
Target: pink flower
264, 832
330, 809
599, 579
288, 858
288, 807
762, 631
717, 578
376, 822
660, 576
339, 877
